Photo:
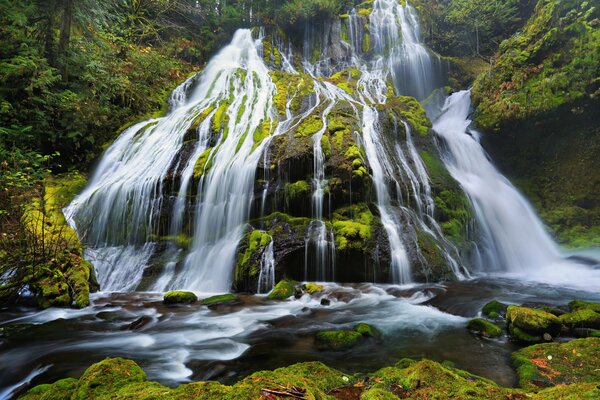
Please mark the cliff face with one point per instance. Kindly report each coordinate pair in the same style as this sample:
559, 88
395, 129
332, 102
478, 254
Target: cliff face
541, 100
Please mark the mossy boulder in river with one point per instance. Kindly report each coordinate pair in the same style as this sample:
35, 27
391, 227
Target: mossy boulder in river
494, 309
530, 325
337, 340
484, 328
179, 297
552, 364
283, 290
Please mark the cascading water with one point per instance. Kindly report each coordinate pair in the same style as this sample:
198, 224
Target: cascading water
396, 35
123, 203
513, 237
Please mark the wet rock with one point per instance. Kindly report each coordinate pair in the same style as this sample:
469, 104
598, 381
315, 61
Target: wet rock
221, 299
581, 318
367, 330
283, 290
337, 340
529, 325
312, 288
138, 324
325, 302
494, 309
576, 305
179, 297
484, 328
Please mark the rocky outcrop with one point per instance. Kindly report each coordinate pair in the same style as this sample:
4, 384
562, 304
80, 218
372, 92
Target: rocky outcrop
541, 98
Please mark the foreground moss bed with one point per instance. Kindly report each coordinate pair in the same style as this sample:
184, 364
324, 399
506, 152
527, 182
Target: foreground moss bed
563, 378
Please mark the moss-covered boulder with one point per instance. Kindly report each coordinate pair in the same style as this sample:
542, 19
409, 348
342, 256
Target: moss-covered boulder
221, 299
484, 328
283, 290
179, 297
337, 340
494, 309
312, 288
581, 318
530, 325
105, 377
576, 305
59, 390
551, 364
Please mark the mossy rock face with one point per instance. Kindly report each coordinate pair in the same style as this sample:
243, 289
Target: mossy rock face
529, 325
66, 279
283, 290
105, 377
228, 298
581, 318
484, 328
247, 267
494, 309
179, 297
551, 364
337, 340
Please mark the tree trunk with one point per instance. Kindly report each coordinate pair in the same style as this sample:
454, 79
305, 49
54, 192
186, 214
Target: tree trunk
65, 35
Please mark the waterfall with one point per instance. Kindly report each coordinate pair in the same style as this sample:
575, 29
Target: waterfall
512, 235
266, 277
122, 205
395, 34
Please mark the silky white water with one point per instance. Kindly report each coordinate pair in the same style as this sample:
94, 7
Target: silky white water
513, 240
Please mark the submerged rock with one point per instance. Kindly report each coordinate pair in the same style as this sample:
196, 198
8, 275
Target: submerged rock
221, 299
337, 340
484, 328
367, 330
179, 297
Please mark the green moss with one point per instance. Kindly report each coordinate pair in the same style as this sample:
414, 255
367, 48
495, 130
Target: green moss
577, 305
366, 44
367, 330
494, 308
353, 227
337, 340
105, 377
179, 297
59, 390
527, 324
283, 290
312, 288
296, 190
552, 364
581, 318
576, 391
552, 63
378, 394
309, 126
484, 328
326, 146
227, 298
249, 255
201, 164
430, 380
409, 109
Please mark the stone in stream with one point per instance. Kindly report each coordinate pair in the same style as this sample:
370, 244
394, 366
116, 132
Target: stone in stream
528, 325
138, 324
484, 328
221, 300
494, 309
283, 290
179, 297
325, 302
